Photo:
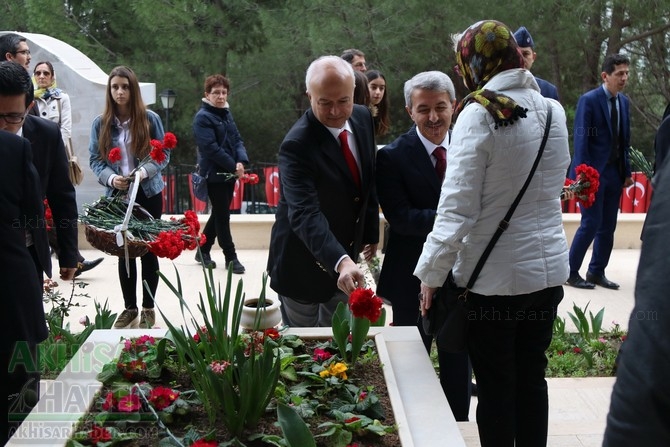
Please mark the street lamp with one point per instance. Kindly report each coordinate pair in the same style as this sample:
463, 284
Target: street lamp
168, 97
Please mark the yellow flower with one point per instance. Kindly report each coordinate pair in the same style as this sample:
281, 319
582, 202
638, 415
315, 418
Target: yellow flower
337, 370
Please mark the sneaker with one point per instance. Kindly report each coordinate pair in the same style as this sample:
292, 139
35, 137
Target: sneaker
205, 259
237, 266
127, 319
147, 318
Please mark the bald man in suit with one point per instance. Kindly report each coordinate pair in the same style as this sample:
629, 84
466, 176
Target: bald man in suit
328, 211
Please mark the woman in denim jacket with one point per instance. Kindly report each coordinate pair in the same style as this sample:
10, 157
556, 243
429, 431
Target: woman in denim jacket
128, 125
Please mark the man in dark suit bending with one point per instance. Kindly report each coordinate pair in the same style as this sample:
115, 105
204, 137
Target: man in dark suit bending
328, 211
410, 172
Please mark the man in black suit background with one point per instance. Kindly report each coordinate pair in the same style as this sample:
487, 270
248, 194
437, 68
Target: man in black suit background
328, 211
410, 172
22, 310
50, 160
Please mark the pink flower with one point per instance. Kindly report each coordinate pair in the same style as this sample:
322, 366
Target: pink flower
321, 355
129, 403
219, 367
84, 321
108, 404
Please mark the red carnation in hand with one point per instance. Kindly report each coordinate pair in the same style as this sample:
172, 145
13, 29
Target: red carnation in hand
114, 155
169, 140
365, 304
157, 155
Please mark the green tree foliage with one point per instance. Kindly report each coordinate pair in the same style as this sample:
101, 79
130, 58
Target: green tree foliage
265, 47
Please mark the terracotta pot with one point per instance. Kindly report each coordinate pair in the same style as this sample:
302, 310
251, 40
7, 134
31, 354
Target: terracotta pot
270, 315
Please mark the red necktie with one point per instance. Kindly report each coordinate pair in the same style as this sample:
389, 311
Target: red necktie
349, 158
441, 165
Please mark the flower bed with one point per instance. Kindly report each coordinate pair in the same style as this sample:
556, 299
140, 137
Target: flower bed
421, 412
239, 376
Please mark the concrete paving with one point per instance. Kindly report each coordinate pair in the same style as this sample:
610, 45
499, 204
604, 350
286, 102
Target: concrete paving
578, 407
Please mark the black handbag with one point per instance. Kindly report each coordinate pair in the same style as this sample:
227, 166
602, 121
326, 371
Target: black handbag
448, 317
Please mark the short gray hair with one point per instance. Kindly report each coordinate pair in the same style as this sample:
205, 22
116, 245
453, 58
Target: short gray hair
336, 62
429, 80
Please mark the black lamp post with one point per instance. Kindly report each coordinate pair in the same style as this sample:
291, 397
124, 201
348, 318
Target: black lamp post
168, 97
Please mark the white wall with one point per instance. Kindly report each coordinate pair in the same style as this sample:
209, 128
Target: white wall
85, 82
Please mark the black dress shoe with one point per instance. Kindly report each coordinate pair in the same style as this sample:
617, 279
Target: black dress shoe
580, 283
601, 281
85, 266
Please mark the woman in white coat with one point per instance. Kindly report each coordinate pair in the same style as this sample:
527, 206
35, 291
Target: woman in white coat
512, 305
52, 102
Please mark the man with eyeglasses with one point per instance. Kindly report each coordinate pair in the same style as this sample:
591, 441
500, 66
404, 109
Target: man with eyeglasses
50, 160
14, 48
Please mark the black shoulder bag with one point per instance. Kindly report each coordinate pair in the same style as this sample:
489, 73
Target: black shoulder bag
447, 318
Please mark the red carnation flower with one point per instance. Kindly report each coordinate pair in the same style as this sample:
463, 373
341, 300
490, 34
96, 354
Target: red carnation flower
114, 155
365, 304
169, 140
157, 155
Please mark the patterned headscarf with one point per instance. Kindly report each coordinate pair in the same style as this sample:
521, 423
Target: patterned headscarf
484, 50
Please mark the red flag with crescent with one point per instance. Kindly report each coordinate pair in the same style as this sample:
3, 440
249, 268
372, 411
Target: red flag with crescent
238, 195
272, 185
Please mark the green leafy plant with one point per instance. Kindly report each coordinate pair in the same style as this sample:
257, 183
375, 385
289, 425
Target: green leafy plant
582, 324
234, 374
62, 344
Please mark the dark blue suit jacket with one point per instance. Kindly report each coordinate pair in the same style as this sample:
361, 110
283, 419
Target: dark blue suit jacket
593, 132
409, 191
321, 215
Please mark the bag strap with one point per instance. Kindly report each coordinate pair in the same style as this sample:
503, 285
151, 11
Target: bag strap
504, 224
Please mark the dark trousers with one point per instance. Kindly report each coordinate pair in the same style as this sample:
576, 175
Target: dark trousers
218, 224
23, 385
455, 369
507, 340
598, 224
154, 205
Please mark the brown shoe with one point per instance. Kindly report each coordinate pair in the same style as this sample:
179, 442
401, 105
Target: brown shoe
127, 319
147, 318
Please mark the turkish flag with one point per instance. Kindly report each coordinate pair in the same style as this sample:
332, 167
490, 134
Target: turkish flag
238, 195
642, 188
272, 185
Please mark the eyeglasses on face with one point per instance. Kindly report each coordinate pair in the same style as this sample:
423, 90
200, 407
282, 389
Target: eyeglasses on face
42, 73
13, 118
24, 52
